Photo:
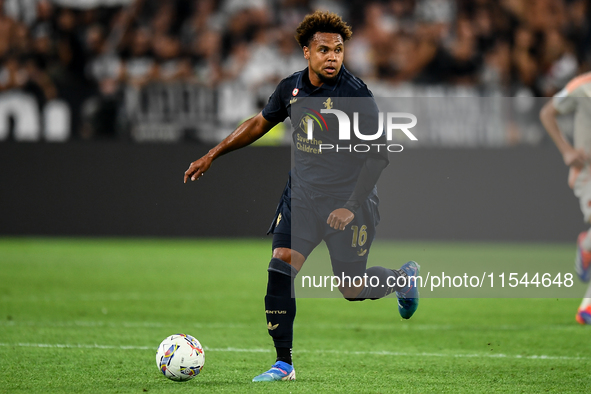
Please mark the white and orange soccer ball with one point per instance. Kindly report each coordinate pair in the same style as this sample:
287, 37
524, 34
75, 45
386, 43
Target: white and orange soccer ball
180, 357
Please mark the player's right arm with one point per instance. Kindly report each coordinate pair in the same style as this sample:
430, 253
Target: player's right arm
572, 157
248, 132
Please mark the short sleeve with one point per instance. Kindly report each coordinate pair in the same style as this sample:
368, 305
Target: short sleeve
275, 111
564, 102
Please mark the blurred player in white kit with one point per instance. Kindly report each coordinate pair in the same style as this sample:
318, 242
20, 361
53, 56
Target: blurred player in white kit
575, 99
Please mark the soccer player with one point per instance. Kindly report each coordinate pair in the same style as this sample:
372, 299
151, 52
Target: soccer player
575, 99
328, 190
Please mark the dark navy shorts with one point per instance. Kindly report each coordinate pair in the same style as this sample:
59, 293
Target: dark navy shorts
300, 224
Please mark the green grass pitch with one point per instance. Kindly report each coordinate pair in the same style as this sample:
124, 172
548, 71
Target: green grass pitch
86, 316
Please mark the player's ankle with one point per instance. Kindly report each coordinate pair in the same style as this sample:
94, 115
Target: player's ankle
284, 354
586, 242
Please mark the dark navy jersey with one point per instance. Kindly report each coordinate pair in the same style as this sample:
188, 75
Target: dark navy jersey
317, 167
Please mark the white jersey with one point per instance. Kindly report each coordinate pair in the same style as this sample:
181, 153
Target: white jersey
576, 98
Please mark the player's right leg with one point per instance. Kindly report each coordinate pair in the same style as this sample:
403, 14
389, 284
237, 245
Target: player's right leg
583, 256
294, 238
584, 312
280, 309
582, 189
280, 303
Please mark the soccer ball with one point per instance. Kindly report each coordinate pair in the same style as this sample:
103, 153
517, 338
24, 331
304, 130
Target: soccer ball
180, 357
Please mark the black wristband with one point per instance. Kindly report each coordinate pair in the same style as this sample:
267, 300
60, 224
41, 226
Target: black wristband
352, 206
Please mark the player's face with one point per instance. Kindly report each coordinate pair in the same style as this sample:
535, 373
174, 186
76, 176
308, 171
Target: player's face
325, 57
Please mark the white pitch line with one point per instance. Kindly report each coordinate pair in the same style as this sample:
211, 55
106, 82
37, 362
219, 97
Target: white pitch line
75, 346
363, 353
473, 355
81, 323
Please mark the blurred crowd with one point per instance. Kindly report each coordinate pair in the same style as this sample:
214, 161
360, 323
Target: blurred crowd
87, 56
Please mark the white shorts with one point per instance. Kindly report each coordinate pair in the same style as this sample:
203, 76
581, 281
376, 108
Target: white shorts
582, 189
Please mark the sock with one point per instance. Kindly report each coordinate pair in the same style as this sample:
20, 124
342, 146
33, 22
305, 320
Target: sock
373, 293
587, 300
284, 354
280, 304
586, 243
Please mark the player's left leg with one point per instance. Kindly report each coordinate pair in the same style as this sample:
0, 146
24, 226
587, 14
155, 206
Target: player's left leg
583, 256
349, 250
378, 282
583, 268
584, 312
582, 189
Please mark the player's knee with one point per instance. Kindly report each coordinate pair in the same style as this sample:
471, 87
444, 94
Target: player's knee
291, 257
350, 293
283, 254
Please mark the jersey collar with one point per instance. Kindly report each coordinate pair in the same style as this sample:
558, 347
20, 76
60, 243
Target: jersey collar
306, 84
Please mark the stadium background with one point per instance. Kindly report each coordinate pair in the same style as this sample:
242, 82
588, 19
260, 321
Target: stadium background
104, 103
104, 251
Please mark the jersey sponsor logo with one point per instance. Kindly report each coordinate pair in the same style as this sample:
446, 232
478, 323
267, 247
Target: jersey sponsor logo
305, 145
295, 92
272, 326
268, 312
309, 118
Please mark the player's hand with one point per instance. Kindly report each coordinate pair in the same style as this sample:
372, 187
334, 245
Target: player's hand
340, 218
575, 158
198, 168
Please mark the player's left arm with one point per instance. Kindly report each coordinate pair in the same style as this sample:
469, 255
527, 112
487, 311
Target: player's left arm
370, 172
572, 157
368, 177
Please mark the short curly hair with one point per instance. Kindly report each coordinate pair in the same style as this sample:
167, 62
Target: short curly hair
321, 22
